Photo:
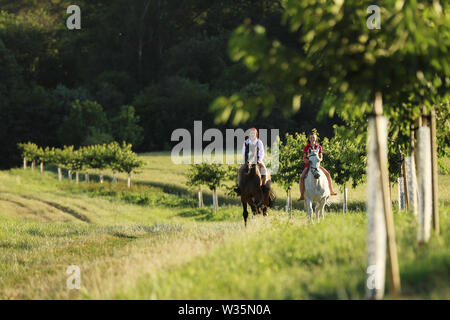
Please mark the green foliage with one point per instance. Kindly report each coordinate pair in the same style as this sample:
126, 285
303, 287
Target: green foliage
174, 103
125, 126
119, 158
290, 160
338, 57
210, 174
128, 160
85, 124
345, 158
29, 150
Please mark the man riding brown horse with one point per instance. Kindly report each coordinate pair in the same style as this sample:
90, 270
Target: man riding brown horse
253, 153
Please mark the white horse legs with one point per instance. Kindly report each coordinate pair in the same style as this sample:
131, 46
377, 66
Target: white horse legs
318, 210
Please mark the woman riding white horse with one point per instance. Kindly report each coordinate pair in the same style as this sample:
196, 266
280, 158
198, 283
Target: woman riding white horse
313, 145
316, 186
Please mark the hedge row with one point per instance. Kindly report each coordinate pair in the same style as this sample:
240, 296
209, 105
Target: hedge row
118, 158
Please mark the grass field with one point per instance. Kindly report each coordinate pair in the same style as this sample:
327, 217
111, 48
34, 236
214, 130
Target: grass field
151, 242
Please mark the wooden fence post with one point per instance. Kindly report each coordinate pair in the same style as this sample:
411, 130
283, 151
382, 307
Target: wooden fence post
401, 193
376, 226
344, 204
200, 197
434, 167
288, 202
214, 199
425, 184
405, 182
395, 286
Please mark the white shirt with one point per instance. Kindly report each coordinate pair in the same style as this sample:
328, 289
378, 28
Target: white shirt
252, 146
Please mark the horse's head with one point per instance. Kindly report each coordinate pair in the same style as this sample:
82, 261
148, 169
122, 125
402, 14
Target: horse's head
252, 158
314, 163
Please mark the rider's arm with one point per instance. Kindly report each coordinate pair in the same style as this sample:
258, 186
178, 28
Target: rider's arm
260, 151
305, 157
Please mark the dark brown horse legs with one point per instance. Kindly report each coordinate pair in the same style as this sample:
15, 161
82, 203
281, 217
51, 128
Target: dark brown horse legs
245, 214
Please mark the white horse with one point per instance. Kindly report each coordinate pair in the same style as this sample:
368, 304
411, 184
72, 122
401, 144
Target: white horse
316, 187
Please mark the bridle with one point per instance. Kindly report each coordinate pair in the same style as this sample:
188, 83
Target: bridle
314, 169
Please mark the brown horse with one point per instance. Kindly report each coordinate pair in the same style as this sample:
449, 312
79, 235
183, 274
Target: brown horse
253, 193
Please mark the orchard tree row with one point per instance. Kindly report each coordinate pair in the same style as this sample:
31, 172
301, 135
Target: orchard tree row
112, 156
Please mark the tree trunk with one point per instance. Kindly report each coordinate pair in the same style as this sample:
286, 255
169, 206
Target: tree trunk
425, 184
59, 174
77, 177
217, 200
42, 167
344, 205
24, 163
114, 177
101, 178
69, 175
33, 165
86, 177
129, 181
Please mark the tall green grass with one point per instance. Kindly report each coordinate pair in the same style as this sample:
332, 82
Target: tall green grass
152, 242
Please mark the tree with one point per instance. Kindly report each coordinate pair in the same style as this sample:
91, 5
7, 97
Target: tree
75, 162
30, 152
128, 161
345, 158
125, 126
209, 174
290, 164
85, 124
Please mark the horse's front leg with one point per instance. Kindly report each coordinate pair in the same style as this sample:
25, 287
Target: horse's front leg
310, 209
317, 211
245, 213
323, 201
